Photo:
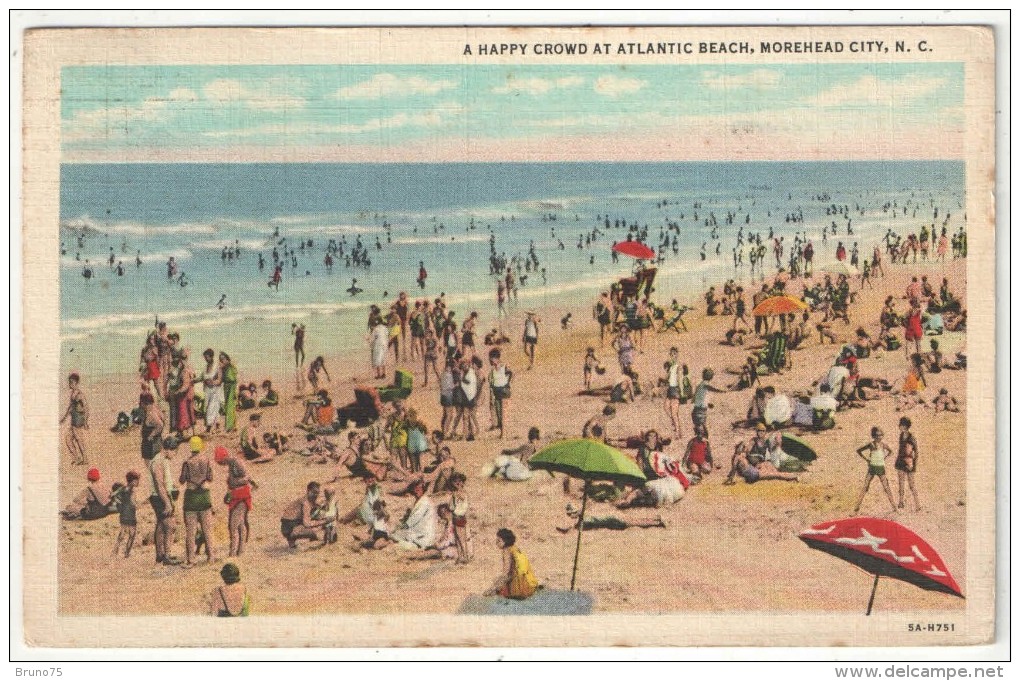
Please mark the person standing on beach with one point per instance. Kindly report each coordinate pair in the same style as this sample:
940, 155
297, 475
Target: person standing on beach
499, 384
403, 310
699, 412
229, 373
531, 322
673, 379
625, 355
298, 331
379, 340
238, 499
78, 411
196, 474
162, 498
501, 313
906, 461
603, 314
152, 426
212, 381
875, 453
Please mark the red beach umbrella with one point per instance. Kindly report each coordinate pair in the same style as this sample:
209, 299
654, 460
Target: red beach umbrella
885, 549
634, 249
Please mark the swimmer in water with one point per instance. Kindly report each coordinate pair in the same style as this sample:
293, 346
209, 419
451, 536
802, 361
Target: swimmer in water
222, 303
354, 290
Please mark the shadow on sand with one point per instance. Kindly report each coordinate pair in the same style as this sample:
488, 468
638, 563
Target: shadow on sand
545, 602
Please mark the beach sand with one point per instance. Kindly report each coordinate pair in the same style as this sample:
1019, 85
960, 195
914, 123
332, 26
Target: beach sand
725, 548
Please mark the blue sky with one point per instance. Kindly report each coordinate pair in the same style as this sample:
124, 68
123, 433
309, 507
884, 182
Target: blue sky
501, 112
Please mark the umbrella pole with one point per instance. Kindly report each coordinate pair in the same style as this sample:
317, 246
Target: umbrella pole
871, 601
580, 528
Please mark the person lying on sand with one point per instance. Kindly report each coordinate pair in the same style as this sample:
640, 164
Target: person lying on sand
752, 473
608, 522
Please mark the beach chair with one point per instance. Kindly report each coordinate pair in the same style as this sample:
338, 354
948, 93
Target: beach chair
364, 410
403, 382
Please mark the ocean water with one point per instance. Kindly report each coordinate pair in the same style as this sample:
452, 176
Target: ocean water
441, 214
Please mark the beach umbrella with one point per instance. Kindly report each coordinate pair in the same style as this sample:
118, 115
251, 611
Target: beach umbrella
798, 448
634, 249
589, 460
777, 305
842, 267
884, 549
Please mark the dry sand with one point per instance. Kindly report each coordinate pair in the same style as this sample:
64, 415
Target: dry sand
725, 548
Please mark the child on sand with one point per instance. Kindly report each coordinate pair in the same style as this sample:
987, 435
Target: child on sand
128, 521
875, 453
459, 507
330, 512
380, 527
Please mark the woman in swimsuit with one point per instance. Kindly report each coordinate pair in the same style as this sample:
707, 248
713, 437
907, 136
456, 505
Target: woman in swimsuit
78, 412
875, 453
231, 599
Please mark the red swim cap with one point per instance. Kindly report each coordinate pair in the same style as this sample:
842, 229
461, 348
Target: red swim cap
220, 453
93, 474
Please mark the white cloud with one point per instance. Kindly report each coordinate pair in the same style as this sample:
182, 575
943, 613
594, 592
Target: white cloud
870, 90
224, 91
431, 118
536, 86
388, 85
613, 86
759, 79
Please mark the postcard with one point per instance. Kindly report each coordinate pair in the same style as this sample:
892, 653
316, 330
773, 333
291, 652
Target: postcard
506, 336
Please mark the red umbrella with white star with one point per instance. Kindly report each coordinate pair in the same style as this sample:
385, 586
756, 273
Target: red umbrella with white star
885, 549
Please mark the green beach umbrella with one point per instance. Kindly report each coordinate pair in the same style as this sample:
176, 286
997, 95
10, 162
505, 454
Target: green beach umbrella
590, 461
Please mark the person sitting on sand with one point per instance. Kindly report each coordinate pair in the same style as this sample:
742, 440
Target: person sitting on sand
945, 402
735, 337
418, 528
933, 359
364, 513
913, 385
272, 398
297, 521
437, 474
445, 547
665, 481
317, 413
247, 396
93, 502
231, 599
380, 526
600, 421
752, 473
608, 522
698, 454
516, 579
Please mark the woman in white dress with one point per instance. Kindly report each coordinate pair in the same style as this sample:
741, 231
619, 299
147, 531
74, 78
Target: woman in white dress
380, 341
212, 383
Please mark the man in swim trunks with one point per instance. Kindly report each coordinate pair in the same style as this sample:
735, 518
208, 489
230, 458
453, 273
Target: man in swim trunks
296, 521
